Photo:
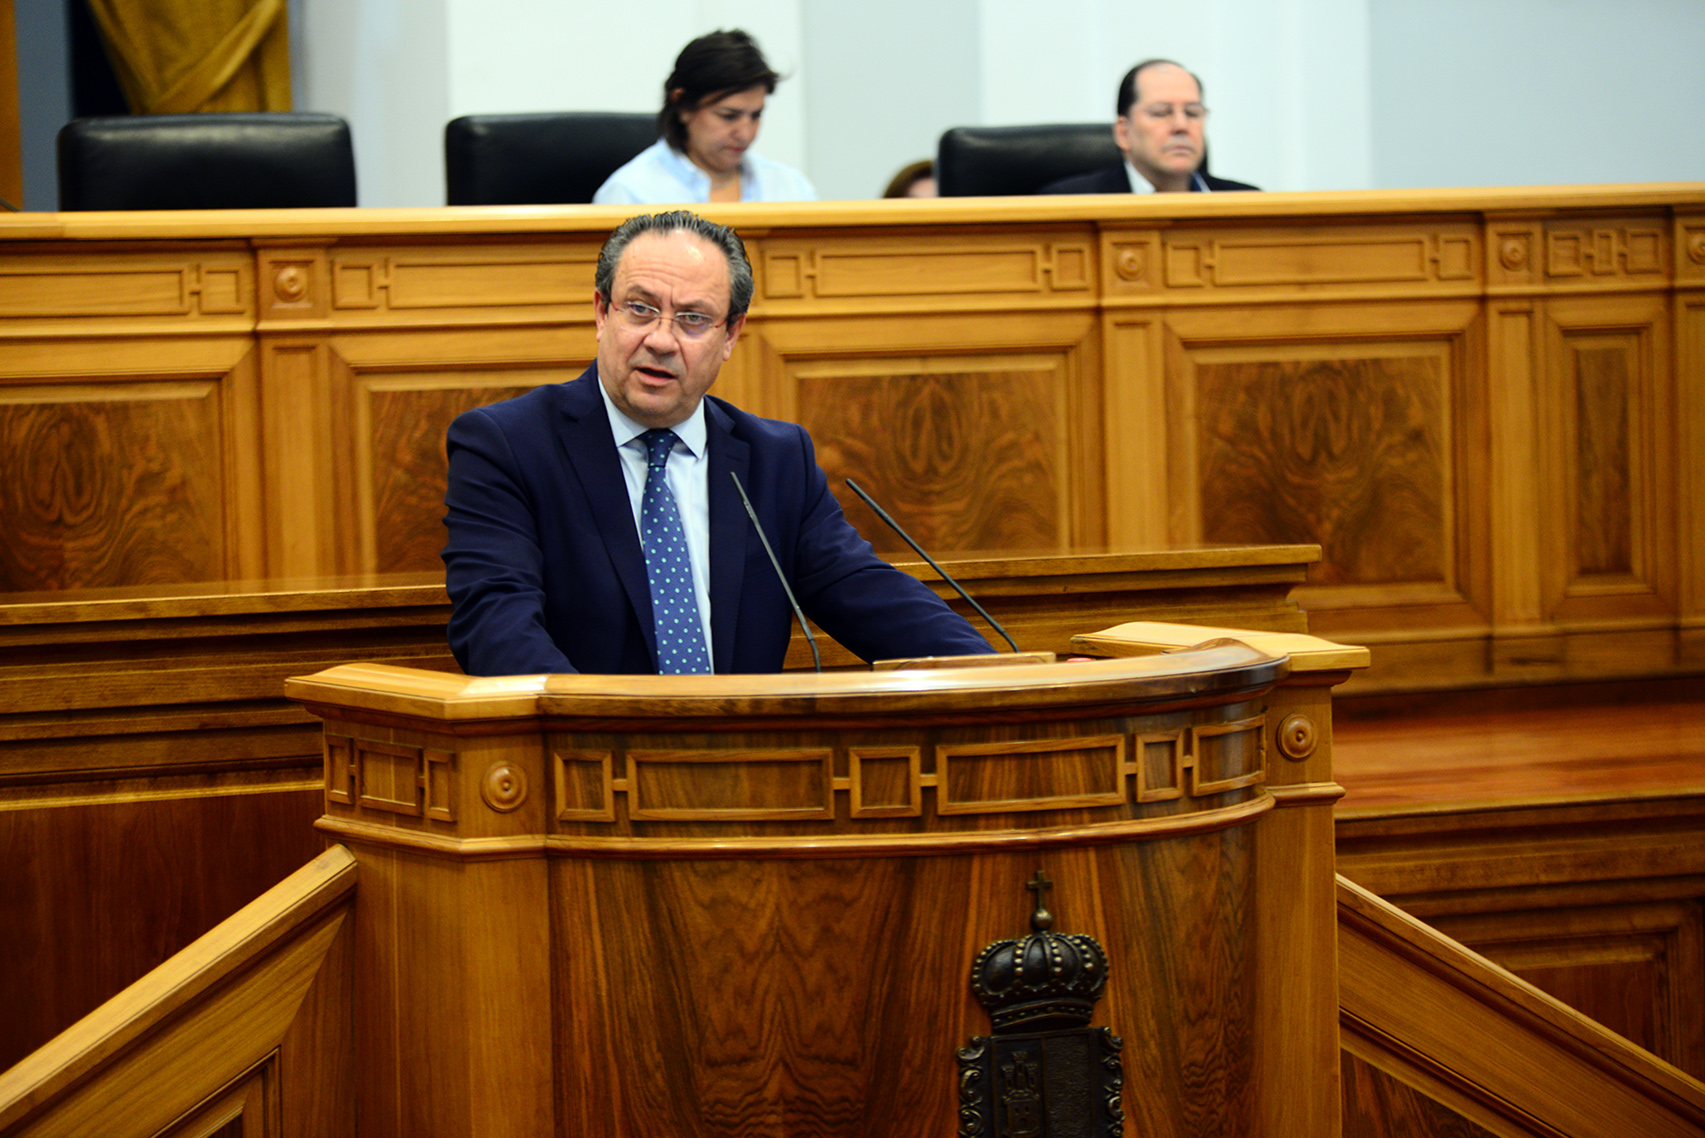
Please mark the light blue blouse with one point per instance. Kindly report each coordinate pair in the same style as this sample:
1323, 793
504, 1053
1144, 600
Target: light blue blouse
662, 175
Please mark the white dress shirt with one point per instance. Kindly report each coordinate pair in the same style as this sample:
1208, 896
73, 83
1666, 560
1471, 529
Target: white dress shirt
688, 472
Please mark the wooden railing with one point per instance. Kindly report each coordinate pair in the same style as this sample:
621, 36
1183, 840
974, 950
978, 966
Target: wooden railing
1440, 1041
246, 1027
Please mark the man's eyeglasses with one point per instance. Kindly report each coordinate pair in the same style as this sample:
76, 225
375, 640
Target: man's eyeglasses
1161, 112
640, 317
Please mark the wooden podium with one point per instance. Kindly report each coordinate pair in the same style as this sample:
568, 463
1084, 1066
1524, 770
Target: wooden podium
750, 904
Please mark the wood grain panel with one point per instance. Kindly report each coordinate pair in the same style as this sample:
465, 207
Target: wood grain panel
827, 998
401, 465
97, 895
1605, 505
968, 460
1612, 452
1353, 453
1030, 774
1635, 967
1379, 1106
111, 485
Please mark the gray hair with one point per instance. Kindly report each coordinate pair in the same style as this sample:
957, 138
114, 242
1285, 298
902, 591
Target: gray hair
680, 221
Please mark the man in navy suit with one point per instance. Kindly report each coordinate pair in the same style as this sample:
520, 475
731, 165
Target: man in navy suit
545, 564
1160, 123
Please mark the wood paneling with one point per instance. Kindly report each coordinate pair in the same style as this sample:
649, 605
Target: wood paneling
1562, 842
962, 460
1354, 452
1481, 1044
1481, 404
249, 1034
147, 752
1378, 1106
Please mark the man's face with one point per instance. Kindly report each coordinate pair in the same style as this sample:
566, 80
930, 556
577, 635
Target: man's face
720, 132
1165, 148
653, 371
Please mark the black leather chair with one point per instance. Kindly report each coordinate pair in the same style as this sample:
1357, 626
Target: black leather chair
539, 159
261, 160
977, 161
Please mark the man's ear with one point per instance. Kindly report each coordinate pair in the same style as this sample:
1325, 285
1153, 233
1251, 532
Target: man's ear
600, 310
1122, 133
734, 329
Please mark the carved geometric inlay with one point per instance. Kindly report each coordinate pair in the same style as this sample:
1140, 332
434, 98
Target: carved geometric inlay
886, 782
1067, 267
438, 784
1297, 736
390, 778
1603, 252
758, 785
1030, 775
1160, 765
504, 787
939, 269
142, 290
1352, 260
340, 769
584, 790
219, 290
1228, 755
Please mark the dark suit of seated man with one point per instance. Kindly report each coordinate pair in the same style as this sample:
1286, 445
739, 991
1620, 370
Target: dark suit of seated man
1160, 130
549, 494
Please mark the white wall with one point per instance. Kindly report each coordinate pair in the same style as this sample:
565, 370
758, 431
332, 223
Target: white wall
44, 95
1536, 92
382, 65
1305, 94
886, 77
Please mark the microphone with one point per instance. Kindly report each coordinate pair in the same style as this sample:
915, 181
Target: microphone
919, 550
816, 656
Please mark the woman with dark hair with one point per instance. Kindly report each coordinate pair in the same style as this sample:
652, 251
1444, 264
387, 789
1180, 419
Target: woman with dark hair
711, 105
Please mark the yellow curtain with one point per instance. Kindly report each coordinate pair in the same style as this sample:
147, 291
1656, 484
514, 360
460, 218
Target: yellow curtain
176, 56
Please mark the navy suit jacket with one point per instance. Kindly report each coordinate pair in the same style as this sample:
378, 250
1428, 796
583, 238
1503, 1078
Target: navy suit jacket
1113, 180
546, 572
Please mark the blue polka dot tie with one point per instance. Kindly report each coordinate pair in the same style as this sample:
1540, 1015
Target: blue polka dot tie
674, 605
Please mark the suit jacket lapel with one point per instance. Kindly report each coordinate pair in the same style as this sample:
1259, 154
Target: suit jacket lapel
729, 527
591, 450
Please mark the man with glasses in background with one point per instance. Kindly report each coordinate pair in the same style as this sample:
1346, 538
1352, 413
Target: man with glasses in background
594, 525
1159, 128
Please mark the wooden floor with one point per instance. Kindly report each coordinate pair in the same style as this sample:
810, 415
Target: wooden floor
1546, 746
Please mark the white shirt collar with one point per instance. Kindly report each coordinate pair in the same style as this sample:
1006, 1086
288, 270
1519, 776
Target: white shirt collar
690, 431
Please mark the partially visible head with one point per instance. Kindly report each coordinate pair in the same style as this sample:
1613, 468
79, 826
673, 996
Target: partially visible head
656, 273
715, 95
1160, 123
916, 180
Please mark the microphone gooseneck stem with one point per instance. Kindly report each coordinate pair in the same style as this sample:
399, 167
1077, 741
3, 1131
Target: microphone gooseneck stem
919, 550
816, 656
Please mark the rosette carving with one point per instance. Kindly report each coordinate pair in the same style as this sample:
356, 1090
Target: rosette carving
504, 787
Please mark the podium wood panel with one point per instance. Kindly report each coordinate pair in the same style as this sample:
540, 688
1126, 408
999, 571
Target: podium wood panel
743, 931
